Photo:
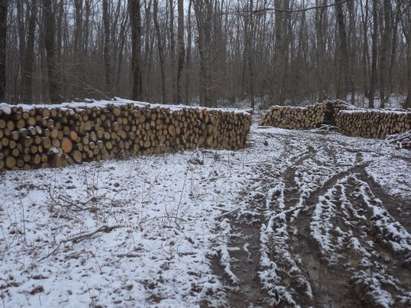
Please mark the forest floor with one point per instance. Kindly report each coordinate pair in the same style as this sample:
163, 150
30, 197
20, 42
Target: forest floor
299, 218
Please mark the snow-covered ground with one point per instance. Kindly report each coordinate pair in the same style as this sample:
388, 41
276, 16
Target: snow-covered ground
147, 231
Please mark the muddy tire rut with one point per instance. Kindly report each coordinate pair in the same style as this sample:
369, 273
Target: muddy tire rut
322, 234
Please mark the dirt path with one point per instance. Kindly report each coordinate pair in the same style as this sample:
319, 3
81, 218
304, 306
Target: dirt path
316, 230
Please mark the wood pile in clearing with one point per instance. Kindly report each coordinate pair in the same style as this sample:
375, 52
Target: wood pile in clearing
312, 116
373, 123
293, 117
32, 137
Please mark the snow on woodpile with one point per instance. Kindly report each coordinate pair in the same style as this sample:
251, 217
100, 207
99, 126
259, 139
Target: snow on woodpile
373, 123
56, 135
312, 116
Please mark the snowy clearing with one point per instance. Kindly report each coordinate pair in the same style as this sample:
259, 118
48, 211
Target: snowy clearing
300, 218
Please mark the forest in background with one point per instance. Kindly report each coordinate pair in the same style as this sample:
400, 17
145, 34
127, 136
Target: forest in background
211, 52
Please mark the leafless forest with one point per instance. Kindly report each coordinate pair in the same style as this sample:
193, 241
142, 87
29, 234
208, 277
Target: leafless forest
213, 52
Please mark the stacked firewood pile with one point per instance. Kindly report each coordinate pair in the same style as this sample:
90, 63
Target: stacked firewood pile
55, 136
347, 119
312, 116
373, 123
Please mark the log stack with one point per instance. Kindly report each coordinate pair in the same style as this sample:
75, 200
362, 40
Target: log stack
368, 123
373, 123
58, 135
312, 116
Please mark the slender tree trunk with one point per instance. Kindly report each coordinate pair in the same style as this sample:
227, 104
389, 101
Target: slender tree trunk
59, 43
394, 49
188, 56
123, 37
77, 87
203, 9
50, 29
172, 50
365, 48
343, 56
352, 43
180, 46
374, 54
148, 48
385, 49
3, 46
320, 17
408, 102
250, 53
107, 50
28, 66
135, 21
160, 52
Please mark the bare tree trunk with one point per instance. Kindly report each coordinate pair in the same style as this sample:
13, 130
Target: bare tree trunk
343, 56
352, 43
365, 48
180, 46
123, 37
50, 29
320, 17
78, 69
148, 49
28, 66
385, 49
408, 102
250, 52
107, 51
59, 43
374, 54
203, 9
160, 52
172, 50
3, 46
135, 20
188, 56
394, 49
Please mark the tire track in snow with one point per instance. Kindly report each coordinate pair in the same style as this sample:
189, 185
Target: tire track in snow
314, 231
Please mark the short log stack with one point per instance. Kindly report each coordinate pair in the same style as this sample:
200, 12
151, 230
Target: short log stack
373, 123
312, 116
54, 136
368, 123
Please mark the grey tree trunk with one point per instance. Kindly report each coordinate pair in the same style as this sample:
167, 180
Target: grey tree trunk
188, 55
250, 54
28, 66
3, 47
343, 55
135, 20
180, 46
385, 50
50, 45
160, 52
374, 55
172, 50
107, 50
203, 11
408, 102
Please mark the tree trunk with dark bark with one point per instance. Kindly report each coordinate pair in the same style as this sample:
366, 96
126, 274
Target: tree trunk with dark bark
408, 102
28, 65
107, 55
3, 46
374, 54
50, 45
180, 46
343, 55
135, 21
